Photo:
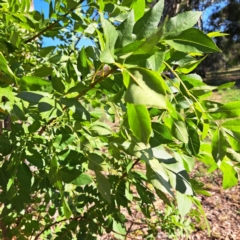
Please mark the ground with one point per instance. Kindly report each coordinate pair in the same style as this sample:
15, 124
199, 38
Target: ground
222, 208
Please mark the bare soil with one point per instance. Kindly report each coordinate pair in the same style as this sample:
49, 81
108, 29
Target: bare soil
222, 210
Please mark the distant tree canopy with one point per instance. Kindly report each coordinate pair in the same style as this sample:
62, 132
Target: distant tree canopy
225, 17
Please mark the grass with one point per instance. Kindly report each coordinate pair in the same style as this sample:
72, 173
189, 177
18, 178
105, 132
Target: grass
228, 95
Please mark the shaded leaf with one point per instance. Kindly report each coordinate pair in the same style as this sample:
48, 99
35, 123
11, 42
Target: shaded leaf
24, 176
218, 145
103, 186
110, 34
82, 63
125, 31
193, 141
146, 88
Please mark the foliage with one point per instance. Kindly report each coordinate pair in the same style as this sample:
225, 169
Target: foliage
88, 134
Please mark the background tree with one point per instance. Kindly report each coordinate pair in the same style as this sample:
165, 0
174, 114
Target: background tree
227, 19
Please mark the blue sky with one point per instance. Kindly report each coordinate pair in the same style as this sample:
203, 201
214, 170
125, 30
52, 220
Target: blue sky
43, 6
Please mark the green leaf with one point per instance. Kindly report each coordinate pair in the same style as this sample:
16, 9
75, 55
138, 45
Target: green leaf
184, 203
24, 176
179, 131
190, 66
193, 141
110, 35
125, 31
232, 125
181, 22
158, 176
43, 71
140, 50
62, 141
32, 83
232, 155
8, 93
69, 174
96, 162
233, 139
66, 209
138, 7
146, 88
82, 63
148, 24
192, 40
161, 135
217, 34
101, 129
78, 111
219, 145
58, 84
118, 228
228, 110
34, 158
103, 186
139, 122
162, 196
30, 97
48, 108
5, 68
198, 188
230, 175
82, 179
155, 61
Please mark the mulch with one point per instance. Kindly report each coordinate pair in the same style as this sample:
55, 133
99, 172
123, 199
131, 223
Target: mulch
222, 211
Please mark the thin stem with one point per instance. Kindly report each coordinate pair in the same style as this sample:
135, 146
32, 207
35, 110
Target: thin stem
93, 84
53, 24
73, 219
81, 94
76, 43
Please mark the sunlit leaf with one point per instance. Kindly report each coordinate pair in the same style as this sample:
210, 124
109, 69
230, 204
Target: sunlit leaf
139, 122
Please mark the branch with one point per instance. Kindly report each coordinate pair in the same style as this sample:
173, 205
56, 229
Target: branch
54, 223
76, 43
53, 24
73, 219
91, 86
125, 174
4, 230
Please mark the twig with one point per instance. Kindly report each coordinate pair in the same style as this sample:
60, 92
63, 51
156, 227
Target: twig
76, 43
53, 24
125, 174
129, 229
92, 85
4, 230
54, 223
73, 219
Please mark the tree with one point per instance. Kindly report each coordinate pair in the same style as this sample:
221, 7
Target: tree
107, 132
226, 18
